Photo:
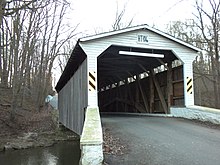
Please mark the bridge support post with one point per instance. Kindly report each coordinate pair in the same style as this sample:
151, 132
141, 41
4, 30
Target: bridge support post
169, 87
91, 154
91, 139
188, 84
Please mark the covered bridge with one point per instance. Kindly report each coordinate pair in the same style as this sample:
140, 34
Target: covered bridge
137, 69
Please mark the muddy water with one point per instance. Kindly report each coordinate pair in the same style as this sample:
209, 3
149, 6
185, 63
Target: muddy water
65, 153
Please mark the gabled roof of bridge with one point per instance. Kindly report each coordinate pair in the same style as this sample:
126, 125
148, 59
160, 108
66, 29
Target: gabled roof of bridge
139, 27
79, 55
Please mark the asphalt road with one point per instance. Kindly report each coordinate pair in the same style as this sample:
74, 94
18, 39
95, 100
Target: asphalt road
163, 141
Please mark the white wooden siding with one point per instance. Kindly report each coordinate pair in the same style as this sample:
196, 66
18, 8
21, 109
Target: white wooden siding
96, 47
93, 48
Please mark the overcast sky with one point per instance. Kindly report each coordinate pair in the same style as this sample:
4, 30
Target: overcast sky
99, 15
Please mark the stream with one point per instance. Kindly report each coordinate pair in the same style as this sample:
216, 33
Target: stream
63, 153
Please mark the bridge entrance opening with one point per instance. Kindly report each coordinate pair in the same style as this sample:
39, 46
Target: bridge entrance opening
139, 80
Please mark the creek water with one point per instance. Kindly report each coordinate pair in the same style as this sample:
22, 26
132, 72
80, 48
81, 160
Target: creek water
63, 153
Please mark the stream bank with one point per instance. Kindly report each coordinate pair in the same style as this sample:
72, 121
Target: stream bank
31, 128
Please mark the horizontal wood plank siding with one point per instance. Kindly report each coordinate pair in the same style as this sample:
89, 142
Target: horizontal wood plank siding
130, 39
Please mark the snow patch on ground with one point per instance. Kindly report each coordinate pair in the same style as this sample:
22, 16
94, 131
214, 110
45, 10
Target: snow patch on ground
198, 113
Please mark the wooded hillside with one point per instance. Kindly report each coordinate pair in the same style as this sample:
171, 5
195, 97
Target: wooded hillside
32, 36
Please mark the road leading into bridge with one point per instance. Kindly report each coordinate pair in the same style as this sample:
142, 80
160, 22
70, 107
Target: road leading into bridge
164, 141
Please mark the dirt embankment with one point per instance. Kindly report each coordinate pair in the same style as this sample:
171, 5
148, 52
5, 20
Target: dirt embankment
30, 127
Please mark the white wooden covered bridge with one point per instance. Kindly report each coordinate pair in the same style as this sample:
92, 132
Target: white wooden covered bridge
129, 70
118, 72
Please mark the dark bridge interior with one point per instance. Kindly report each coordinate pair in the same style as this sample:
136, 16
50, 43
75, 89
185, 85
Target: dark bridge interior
129, 83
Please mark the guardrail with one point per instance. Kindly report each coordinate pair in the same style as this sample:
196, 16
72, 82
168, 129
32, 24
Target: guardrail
92, 139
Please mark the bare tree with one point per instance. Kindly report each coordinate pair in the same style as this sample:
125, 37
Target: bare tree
50, 47
33, 34
64, 56
2, 10
203, 32
8, 7
119, 22
209, 24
